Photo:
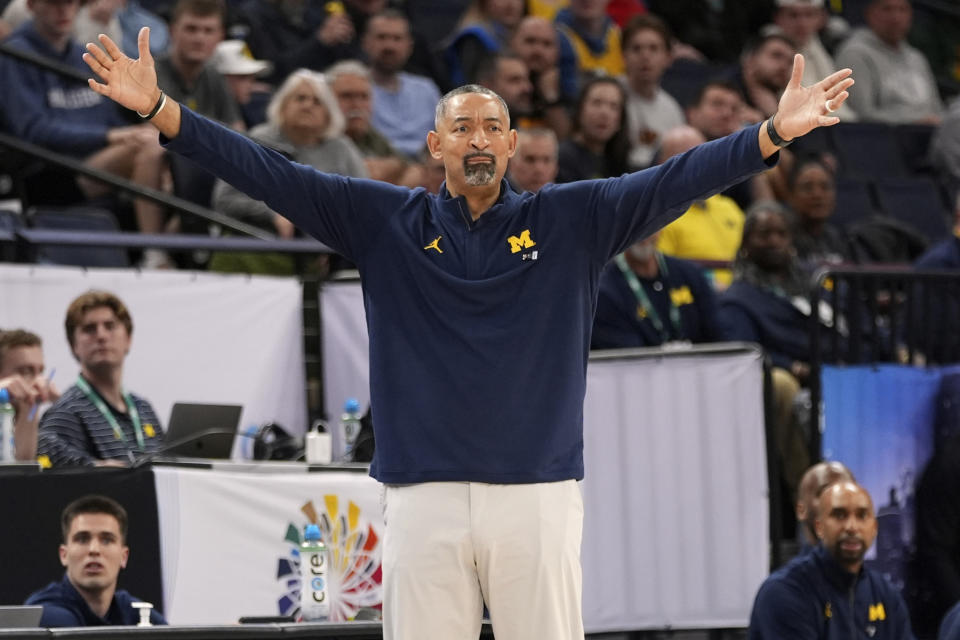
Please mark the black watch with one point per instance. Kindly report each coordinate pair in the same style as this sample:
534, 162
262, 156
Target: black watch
774, 136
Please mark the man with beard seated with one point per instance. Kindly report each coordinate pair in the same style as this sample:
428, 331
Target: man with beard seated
828, 593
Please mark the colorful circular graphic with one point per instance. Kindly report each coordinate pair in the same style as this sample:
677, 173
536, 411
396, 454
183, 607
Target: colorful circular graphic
355, 573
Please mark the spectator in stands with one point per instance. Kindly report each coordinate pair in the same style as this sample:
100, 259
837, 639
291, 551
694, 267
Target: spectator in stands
811, 194
828, 593
402, 101
351, 84
485, 28
939, 302
93, 551
598, 145
768, 303
649, 299
294, 34
711, 229
716, 31
589, 40
232, 59
536, 161
894, 80
123, 19
763, 75
97, 422
651, 111
812, 484
65, 116
22, 375
508, 76
186, 73
716, 110
305, 123
535, 42
945, 147
801, 22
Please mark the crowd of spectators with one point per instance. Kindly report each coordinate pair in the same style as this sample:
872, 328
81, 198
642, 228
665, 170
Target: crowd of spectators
595, 89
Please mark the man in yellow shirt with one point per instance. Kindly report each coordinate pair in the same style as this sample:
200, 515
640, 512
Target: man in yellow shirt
710, 229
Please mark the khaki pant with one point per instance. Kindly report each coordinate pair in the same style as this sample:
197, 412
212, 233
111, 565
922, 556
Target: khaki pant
451, 546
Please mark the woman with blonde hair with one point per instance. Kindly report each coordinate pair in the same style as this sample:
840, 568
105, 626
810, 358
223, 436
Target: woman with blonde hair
304, 122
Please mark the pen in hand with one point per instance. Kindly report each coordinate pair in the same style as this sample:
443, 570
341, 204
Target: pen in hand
36, 405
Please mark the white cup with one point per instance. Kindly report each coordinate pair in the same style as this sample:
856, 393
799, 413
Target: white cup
318, 448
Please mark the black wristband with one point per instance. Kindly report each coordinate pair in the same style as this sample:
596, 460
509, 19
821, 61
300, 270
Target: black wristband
774, 136
162, 100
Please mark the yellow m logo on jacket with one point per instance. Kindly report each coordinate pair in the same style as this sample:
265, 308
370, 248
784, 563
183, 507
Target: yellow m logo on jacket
877, 612
523, 242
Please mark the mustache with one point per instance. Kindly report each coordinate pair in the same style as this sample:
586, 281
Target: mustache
355, 113
479, 154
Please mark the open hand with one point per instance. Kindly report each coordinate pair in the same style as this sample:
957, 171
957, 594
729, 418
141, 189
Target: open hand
131, 83
803, 109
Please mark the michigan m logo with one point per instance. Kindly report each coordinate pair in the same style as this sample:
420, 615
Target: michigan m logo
521, 243
877, 612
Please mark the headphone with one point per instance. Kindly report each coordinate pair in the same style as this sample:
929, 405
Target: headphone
272, 442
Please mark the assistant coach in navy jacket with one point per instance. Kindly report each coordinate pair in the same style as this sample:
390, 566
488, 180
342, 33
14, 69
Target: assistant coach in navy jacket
828, 594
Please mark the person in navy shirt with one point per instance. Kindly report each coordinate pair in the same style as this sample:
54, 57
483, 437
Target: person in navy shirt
648, 299
94, 550
828, 594
479, 306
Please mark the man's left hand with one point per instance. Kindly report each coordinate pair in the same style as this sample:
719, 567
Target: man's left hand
803, 109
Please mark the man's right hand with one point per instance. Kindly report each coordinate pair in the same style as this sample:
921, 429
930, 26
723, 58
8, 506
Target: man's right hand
131, 83
22, 394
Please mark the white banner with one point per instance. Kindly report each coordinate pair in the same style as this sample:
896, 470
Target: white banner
229, 541
675, 493
197, 337
346, 356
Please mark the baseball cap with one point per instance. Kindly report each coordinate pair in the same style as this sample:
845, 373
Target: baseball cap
233, 57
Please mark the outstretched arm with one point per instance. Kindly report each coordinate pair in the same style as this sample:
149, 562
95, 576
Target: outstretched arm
803, 109
132, 83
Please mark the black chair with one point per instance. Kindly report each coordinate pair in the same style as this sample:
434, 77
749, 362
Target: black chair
868, 150
77, 219
854, 202
916, 202
817, 142
10, 223
914, 143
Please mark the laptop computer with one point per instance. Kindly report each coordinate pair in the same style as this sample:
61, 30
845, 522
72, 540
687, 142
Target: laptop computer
20, 616
202, 430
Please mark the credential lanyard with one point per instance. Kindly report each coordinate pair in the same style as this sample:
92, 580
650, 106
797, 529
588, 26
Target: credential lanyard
644, 301
107, 414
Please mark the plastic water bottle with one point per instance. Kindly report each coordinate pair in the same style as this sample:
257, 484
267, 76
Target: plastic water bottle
350, 427
314, 595
7, 414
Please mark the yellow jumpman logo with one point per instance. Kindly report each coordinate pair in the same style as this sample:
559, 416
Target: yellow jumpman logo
434, 245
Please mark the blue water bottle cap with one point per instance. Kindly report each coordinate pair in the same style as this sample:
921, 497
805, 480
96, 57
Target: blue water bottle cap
311, 532
352, 405
4, 396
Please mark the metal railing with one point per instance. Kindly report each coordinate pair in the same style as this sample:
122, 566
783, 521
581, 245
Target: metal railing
882, 315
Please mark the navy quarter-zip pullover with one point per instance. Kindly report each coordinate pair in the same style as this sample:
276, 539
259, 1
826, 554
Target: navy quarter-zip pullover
479, 330
814, 598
